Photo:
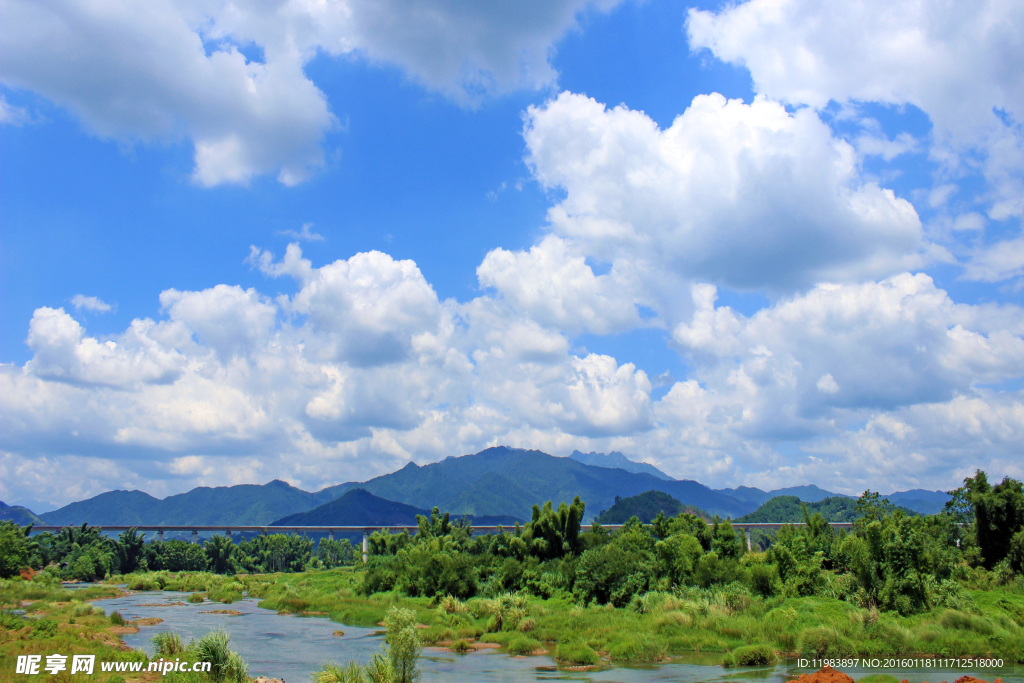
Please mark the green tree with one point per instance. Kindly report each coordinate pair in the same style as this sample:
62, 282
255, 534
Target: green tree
404, 644
130, 550
998, 514
219, 551
14, 550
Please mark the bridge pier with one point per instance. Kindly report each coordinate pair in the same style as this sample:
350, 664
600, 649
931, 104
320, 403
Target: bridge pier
195, 537
227, 532
366, 548
330, 535
160, 535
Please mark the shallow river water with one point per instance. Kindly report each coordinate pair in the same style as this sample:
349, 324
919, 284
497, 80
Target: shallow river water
292, 647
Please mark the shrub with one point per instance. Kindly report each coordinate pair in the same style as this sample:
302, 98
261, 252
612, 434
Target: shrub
527, 625
754, 655
822, 641
225, 664
333, 673
195, 598
451, 605
168, 644
117, 619
44, 628
575, 653
640, 648
403, 644
764, 579
460, 645
523, 645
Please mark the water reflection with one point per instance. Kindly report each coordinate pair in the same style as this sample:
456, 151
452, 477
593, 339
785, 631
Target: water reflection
293, 647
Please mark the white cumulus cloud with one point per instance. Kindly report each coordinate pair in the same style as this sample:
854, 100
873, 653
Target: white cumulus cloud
746, 195
170, 69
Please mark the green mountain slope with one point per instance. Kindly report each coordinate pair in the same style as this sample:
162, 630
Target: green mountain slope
646, 507
755, 496
246, 504
531, 477
19, 515
358, 507
787, 509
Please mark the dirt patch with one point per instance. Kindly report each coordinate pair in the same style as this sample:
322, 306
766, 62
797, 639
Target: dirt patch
164, 604
230, 612
148, 621
825, 675
381, 623
446, 646
121, 630
339, 633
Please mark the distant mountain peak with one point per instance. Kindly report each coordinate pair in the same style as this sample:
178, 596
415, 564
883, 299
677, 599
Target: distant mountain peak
617, 460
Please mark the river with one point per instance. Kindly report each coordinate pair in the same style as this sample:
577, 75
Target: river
292, 647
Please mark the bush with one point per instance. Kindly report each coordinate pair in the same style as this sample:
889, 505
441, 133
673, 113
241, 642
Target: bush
333, 673
764, 579
523, 645
44, 628
640, 648
452, 605
168, 644
754, 655
822, 640
575, 653
460, 645
117, 619
225, 664
403, 643
195, 598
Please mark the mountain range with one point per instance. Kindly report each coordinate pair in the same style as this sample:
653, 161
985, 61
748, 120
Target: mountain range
496, 483
359, 507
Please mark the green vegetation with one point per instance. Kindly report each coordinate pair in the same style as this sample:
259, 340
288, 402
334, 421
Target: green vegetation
646, 507
59, 620
84, 554
791, 509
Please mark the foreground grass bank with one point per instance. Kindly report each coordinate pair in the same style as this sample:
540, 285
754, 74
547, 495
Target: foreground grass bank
65, 622
656, 625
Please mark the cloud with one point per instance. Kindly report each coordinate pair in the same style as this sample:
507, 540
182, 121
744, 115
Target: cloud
557, 288
364, 369
165, 70
90, 303
810, 363
747, 195
304, 234
11, 115
1000, 261
950, 60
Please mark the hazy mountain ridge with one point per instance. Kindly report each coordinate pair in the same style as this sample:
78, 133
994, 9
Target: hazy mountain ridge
18, 514
616, 459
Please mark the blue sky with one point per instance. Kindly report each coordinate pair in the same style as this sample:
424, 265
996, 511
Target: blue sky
750, 244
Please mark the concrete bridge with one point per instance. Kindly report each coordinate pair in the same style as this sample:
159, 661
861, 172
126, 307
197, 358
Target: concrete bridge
366, 530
